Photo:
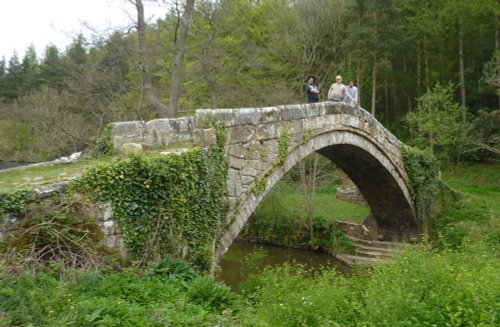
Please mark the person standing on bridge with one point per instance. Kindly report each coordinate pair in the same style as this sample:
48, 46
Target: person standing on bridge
351, 94
337, 91
312, 90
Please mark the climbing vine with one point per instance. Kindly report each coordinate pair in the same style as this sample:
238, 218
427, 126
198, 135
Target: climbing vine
15, 202
422, 169
283, 141
165, 205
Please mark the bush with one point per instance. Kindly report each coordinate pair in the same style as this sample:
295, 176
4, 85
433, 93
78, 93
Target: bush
421, 288
127, 298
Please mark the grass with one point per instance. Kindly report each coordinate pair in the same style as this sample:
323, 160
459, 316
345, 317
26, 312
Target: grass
287, 199
477, 215
31, 177
480, 182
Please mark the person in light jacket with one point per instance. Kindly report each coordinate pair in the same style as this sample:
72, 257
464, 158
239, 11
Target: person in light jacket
337, 91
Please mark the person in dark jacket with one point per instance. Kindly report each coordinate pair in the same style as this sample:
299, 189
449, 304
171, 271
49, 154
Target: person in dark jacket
312, 90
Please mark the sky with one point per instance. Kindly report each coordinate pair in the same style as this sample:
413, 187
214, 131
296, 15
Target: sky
44, 22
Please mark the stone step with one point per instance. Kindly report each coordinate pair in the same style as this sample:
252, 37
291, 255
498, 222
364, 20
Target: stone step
377, 244
374, 254
388, 251
357, 260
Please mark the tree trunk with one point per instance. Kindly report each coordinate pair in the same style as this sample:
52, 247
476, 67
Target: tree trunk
462, 71
497, 47
176, 77
419, 72
386, 95
374, 83
146, 69
426, 63
358, 78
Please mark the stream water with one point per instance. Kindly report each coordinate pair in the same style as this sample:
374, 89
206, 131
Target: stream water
232, 262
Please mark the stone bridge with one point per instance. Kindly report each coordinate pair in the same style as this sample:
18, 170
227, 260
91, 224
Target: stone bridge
264, 143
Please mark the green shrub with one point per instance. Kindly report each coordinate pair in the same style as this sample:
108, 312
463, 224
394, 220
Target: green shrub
15, 202
420, 288
209, 293
173, 268
127, 298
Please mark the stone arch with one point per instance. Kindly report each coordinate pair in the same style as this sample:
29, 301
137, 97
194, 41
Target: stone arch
380, 179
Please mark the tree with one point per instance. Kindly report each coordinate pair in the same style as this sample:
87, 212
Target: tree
372, 35
437, 123
13, 80
153, 99
179, 47
30, 69
51, 70
3, 73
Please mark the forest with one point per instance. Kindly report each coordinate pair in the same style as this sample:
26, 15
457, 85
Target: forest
428, 70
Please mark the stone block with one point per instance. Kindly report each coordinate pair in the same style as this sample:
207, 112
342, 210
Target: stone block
204, 117
266, 132
127, 128
247, 180
333, 108
233, 183
248, 116
293, 112
331, 121
242, 134
314, 123
201, 117
237, 163
270, 115
224, 116
269, 151
295, 127
250, 171
351, 121
314, 110
127, 132
204, 137
128, 149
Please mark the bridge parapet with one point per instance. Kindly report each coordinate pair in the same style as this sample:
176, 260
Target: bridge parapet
154, 133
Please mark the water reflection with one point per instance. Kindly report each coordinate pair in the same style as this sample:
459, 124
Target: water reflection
232, 261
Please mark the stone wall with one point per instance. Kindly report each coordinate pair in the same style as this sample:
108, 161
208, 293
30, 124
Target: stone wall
351, 194
104, 218
154, 133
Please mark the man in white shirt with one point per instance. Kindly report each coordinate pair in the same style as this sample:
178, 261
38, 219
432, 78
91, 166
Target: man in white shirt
337, 91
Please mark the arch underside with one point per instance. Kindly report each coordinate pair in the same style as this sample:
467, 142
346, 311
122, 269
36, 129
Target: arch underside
378, 179
389, 206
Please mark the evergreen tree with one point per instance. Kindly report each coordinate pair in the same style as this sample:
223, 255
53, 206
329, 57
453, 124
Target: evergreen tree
30, 69
13, 80
51, 70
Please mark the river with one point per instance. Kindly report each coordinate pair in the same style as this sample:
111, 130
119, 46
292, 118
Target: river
232, 262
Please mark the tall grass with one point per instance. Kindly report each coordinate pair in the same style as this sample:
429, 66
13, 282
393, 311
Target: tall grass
421, 288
